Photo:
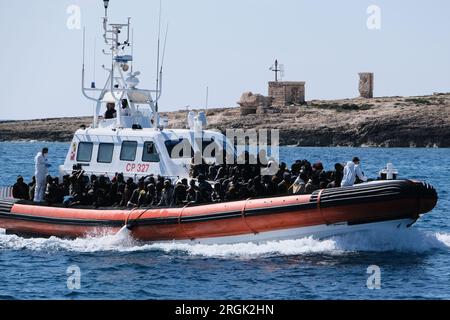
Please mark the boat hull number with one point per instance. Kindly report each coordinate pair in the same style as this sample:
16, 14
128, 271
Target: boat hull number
137, 167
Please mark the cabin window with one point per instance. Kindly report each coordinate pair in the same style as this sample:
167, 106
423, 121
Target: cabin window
180, 148
105, 152
128, 152
84, 151
149, 154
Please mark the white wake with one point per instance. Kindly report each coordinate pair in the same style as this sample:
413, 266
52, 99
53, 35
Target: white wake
410, 240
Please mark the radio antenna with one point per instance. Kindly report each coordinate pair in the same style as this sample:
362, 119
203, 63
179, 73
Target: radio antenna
84, 43
157, 54
162, 65
164, 47
95, 50
207, 97
132, 48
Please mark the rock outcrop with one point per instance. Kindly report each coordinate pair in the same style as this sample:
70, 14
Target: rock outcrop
250, 102
388, 122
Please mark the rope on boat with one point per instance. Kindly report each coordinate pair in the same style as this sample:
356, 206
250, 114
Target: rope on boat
179, 221
130, 225
243, 216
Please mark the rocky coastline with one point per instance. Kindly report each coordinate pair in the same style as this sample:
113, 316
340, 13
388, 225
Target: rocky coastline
421, 121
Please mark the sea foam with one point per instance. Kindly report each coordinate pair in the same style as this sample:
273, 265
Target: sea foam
410, 240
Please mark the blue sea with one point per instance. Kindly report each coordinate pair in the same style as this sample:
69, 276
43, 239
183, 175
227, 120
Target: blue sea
414, 264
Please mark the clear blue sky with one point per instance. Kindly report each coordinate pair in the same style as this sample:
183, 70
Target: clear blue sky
226, 45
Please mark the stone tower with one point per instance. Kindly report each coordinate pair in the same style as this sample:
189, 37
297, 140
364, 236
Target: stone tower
366, 85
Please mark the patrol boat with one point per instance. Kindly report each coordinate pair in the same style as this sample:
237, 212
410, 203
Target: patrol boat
136, 142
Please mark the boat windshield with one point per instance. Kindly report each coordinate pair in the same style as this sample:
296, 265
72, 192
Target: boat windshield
180, 148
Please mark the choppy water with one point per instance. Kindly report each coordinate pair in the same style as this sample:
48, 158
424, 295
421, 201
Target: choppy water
414, 263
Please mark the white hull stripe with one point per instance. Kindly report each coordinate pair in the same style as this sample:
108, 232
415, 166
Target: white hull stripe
319, 231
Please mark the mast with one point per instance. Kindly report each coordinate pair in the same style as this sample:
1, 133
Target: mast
120, 87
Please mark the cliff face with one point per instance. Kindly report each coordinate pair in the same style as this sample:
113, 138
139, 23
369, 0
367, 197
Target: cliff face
390, 122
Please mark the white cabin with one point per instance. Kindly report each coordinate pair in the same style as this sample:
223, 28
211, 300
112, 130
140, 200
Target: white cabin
140, 152
131, 138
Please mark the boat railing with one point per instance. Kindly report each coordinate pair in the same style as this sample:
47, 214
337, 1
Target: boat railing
6, 192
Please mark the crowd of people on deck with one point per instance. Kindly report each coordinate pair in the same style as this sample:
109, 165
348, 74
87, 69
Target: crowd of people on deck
208, 183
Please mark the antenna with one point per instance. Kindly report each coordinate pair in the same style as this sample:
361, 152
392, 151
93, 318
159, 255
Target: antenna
158, 50
84, 43
164, 47
282, 71
106, 3
207, 96
162, 64
93, 71
132, 48
277, 68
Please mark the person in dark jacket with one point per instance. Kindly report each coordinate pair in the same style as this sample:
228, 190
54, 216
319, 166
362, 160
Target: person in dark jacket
110, 110
130, 186
31, 188
180, 193
204, 188
138, 195
21, 189
151, 198
166, 195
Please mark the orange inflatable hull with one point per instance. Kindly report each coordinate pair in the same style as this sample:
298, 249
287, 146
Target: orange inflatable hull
358, 205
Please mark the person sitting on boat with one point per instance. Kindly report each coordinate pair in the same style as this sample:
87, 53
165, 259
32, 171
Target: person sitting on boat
192, 193
21, 189
166, 195
324, 179
65, 187
110, 110
282, 169
317, 167
204, 188
352, 170
77, 189
159, 186
283, 186
99, 192
41, 172
232, 192
52, 194
198, 168
313, 183
257, 187
91, 189
245, 191
270, 185
337, 176
299, 185
217, 194
130, 186
31, 188
296, 167
180, 192
150, 199
138, 195
117, 189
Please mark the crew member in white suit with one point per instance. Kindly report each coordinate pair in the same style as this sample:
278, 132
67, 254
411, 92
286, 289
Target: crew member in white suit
41, 171
352, 170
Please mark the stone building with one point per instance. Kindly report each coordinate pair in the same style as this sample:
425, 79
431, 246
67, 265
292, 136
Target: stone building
285, 93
